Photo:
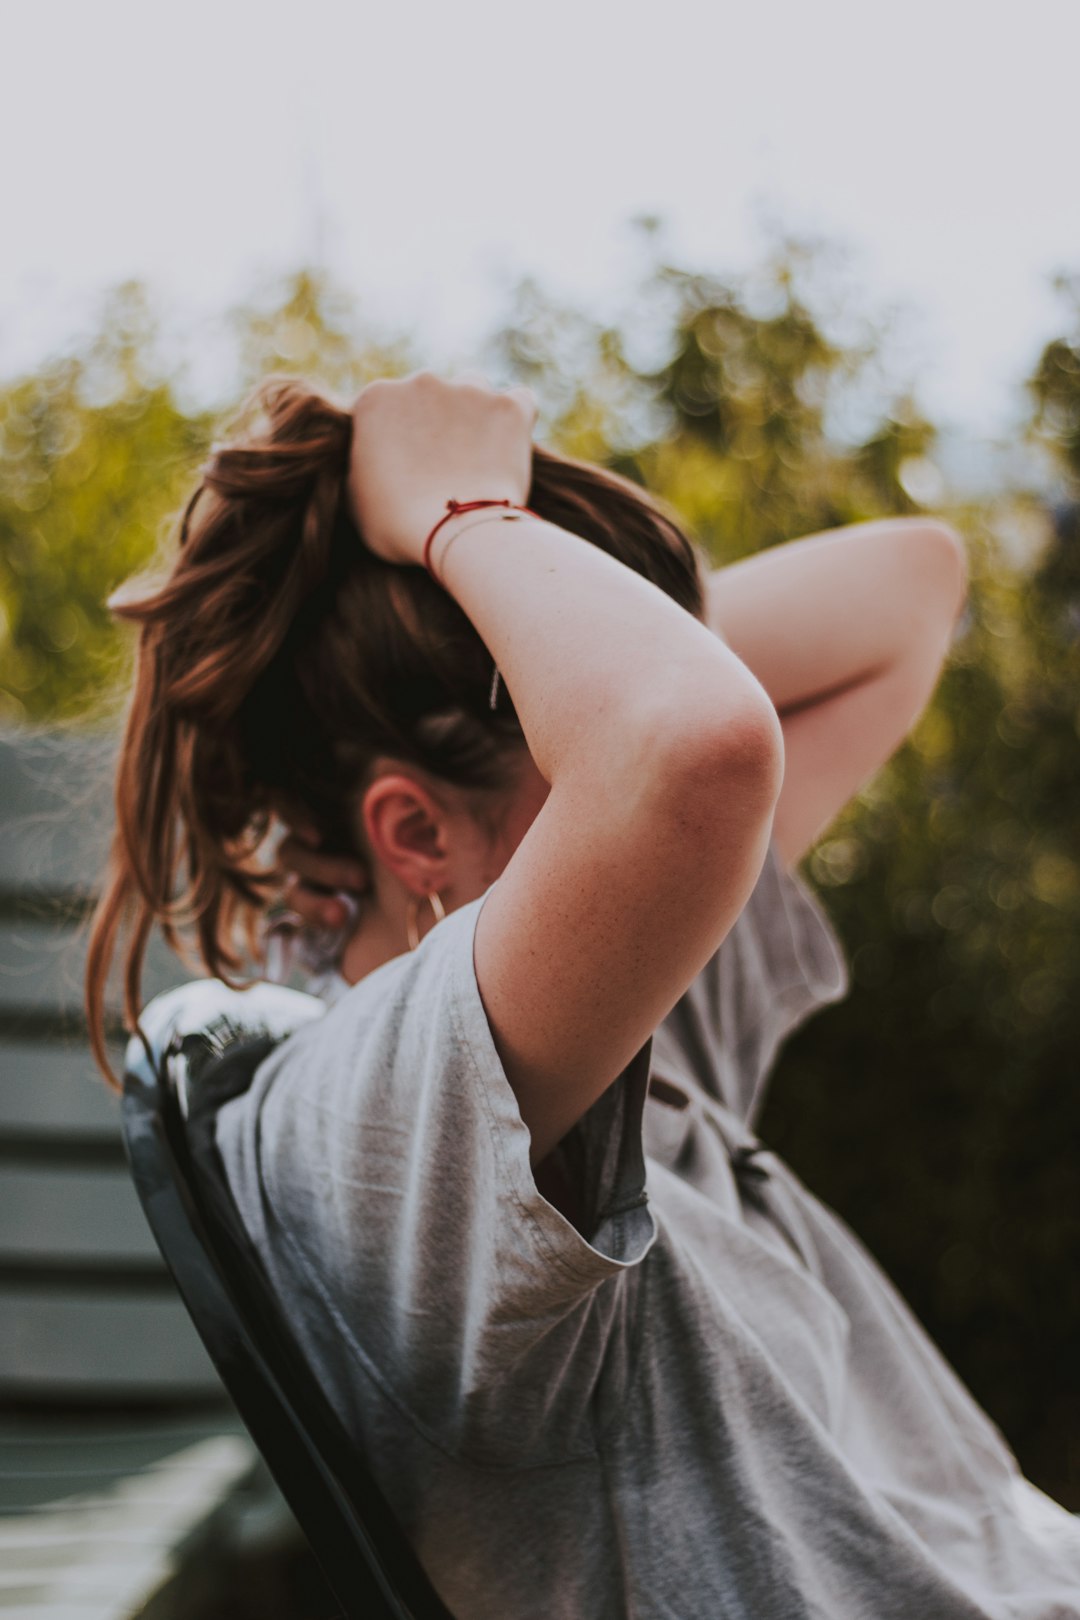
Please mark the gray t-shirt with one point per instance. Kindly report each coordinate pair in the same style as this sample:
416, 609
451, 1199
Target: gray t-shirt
708, 1401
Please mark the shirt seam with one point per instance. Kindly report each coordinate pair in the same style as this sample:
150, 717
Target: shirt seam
373, 1371
577, 1269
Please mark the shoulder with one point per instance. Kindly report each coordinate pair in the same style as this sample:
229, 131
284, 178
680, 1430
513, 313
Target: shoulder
400, 1035
425, 997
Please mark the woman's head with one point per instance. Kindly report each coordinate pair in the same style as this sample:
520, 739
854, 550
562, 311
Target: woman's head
284, 669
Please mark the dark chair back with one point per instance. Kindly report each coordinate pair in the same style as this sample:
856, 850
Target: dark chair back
193, 1062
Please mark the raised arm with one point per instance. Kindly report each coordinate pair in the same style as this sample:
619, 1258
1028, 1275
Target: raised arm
847, 632
662, 751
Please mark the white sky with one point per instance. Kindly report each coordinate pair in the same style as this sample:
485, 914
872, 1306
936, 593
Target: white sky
447, 147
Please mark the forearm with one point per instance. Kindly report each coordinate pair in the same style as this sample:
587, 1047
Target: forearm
816, 617
847, 632
593, 655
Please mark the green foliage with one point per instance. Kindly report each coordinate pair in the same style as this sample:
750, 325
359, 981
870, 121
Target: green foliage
311, 327
94, 454
936, 1108
731, 424
97, 452
1055, 385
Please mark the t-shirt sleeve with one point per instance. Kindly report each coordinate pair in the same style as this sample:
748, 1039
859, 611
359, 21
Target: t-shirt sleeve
393, 1175
780, 961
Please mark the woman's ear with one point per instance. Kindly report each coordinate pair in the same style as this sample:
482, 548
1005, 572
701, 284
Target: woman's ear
407, 831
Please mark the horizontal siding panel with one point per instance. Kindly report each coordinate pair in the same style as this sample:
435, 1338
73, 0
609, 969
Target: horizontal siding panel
76, 1445
73, 1345
41, 967
87, 1310
56, 810
53, 1089
45, 1458
71, 1215
109, 1554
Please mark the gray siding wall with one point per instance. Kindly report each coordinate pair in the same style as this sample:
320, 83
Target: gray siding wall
87, 1309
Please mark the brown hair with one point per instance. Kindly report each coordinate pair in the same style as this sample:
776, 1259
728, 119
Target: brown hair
280, 657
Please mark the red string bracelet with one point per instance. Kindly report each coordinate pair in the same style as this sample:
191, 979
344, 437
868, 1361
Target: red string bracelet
452, 509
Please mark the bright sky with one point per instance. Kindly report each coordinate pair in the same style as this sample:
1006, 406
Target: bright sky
431, 152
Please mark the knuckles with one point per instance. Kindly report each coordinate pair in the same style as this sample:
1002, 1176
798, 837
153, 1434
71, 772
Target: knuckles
516, 405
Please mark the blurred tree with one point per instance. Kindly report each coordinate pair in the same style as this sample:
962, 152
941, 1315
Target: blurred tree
308, 325
97, 453
726, 412
1055, 386
94, 454
885, 467
748, 393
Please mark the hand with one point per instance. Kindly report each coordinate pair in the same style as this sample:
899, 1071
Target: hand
314, 878
421, 441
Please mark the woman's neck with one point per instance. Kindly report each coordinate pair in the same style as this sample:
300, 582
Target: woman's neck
378, 939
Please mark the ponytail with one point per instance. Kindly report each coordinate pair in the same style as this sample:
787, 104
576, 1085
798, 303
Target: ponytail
280, 657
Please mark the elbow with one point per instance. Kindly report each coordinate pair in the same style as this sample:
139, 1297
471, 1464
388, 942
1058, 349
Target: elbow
734, 756
719, 802
750, 747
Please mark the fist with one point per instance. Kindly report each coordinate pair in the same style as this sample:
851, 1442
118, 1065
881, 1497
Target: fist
420, 441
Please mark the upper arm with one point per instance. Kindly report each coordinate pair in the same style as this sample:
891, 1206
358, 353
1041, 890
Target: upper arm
619, 893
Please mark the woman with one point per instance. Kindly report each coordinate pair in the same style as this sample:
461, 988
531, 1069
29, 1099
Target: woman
607, 1355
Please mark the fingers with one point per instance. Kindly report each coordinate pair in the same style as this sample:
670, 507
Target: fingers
527, 401
314, 909
314, 879
320, 870
522, 395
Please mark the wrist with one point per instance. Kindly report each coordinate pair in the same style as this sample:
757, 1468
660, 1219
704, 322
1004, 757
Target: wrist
462, 515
